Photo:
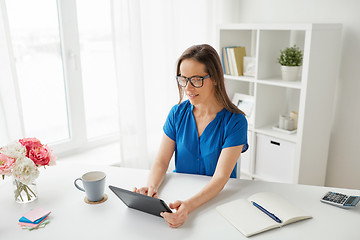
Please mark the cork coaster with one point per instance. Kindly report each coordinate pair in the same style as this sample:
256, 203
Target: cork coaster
98, 202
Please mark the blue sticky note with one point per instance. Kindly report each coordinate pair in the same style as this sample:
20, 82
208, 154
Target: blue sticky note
25, 220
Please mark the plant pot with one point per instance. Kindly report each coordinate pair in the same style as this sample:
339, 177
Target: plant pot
290, 73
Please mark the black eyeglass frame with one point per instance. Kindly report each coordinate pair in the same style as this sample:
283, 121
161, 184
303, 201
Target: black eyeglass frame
190, 80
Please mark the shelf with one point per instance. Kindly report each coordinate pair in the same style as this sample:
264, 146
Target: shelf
240, 78
280, 83
270, 81
274, 96
273, 133
279, 26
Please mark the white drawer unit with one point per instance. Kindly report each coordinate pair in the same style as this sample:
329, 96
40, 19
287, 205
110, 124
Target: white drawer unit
274, 159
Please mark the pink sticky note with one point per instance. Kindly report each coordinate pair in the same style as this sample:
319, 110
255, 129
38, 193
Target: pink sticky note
36, 213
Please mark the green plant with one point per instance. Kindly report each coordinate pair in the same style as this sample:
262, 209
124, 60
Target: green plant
291, 56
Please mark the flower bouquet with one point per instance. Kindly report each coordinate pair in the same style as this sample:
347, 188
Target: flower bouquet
21, 159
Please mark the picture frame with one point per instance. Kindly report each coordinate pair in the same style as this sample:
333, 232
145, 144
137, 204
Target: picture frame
249, 66
246, 104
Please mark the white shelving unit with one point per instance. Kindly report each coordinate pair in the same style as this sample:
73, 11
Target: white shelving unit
275, 156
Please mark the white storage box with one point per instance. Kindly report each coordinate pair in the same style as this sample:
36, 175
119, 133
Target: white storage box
274, 159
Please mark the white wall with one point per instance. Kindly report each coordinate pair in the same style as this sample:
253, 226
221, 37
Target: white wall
344, 161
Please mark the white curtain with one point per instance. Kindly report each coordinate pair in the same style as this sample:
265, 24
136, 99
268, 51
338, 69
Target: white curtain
149, 37
11, 126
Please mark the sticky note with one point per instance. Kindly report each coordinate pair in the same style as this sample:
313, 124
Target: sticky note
36, 214
25, 220
33, 225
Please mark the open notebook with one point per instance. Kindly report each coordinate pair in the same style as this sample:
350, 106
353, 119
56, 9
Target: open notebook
250, 220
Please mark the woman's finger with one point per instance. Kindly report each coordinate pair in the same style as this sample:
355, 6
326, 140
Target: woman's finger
175, 205
143, 190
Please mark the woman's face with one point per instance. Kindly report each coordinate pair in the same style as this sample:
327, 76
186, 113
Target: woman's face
190, 68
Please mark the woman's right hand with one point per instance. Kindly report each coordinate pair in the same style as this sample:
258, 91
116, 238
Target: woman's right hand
148, 191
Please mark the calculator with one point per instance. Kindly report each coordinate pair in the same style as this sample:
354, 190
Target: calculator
340, 200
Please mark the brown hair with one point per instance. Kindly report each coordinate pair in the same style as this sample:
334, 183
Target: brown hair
208, 56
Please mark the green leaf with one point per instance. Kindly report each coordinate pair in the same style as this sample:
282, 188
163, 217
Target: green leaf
291, 56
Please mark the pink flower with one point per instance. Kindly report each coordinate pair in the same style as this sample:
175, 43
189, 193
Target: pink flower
40, 155
51, 155
6, 164
30, 143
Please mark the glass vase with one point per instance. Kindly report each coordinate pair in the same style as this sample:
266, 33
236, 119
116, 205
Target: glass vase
24, 193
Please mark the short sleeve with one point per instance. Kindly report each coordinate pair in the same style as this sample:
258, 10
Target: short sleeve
236, 132
169, 126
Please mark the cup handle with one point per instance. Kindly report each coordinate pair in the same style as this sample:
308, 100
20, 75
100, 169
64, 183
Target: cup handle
77, 186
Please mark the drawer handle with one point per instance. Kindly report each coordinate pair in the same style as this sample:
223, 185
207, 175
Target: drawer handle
275, 143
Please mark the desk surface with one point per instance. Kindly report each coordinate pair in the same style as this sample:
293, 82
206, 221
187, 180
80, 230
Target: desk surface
72, 218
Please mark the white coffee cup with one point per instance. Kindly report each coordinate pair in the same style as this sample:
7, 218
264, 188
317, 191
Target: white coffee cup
94, 185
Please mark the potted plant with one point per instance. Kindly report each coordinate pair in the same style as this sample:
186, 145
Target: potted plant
291, 61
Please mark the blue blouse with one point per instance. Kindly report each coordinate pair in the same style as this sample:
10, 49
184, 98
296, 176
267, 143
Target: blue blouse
199, 155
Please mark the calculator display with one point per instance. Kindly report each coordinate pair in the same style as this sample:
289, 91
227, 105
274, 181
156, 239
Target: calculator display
350, 200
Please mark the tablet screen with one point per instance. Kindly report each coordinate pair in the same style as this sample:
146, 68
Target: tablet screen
141, 202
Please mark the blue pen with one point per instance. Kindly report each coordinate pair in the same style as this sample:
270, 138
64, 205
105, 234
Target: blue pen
267, 212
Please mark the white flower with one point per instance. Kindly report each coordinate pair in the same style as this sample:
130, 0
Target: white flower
25, 170
14, 150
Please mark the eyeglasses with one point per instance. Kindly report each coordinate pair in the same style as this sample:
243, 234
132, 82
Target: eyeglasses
195, 81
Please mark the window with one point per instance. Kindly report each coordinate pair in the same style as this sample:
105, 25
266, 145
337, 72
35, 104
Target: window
65, 68
98, 67
39, 69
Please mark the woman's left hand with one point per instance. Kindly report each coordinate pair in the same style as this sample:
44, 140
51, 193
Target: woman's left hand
176, 219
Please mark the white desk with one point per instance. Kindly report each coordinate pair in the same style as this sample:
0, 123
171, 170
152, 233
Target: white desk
72, 218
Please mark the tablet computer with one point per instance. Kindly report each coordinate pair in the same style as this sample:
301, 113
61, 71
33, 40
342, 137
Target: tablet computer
141, 202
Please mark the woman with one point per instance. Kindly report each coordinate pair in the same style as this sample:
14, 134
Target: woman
207, 132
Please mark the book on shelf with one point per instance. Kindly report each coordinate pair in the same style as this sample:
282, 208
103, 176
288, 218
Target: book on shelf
239, 53
233, 59
261, 212
225, 61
